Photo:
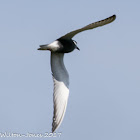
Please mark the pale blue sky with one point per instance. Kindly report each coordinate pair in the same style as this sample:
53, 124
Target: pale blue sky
104, 101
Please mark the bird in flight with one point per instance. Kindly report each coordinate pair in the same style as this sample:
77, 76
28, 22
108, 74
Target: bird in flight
58, 48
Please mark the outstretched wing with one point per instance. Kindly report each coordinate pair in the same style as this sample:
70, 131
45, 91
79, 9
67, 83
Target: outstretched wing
90, 26
61, 89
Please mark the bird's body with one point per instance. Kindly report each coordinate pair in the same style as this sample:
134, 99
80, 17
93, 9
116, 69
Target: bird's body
58, 48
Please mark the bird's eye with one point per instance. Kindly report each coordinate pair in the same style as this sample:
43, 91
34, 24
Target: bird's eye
74, 42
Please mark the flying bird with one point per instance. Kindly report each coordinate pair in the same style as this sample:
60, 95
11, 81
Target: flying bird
58, 48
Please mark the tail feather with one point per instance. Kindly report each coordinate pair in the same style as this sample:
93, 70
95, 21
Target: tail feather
43, 47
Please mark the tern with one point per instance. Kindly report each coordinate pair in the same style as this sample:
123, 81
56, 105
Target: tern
58, 48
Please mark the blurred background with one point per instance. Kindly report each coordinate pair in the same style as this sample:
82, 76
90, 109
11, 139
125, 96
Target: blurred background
104, 96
